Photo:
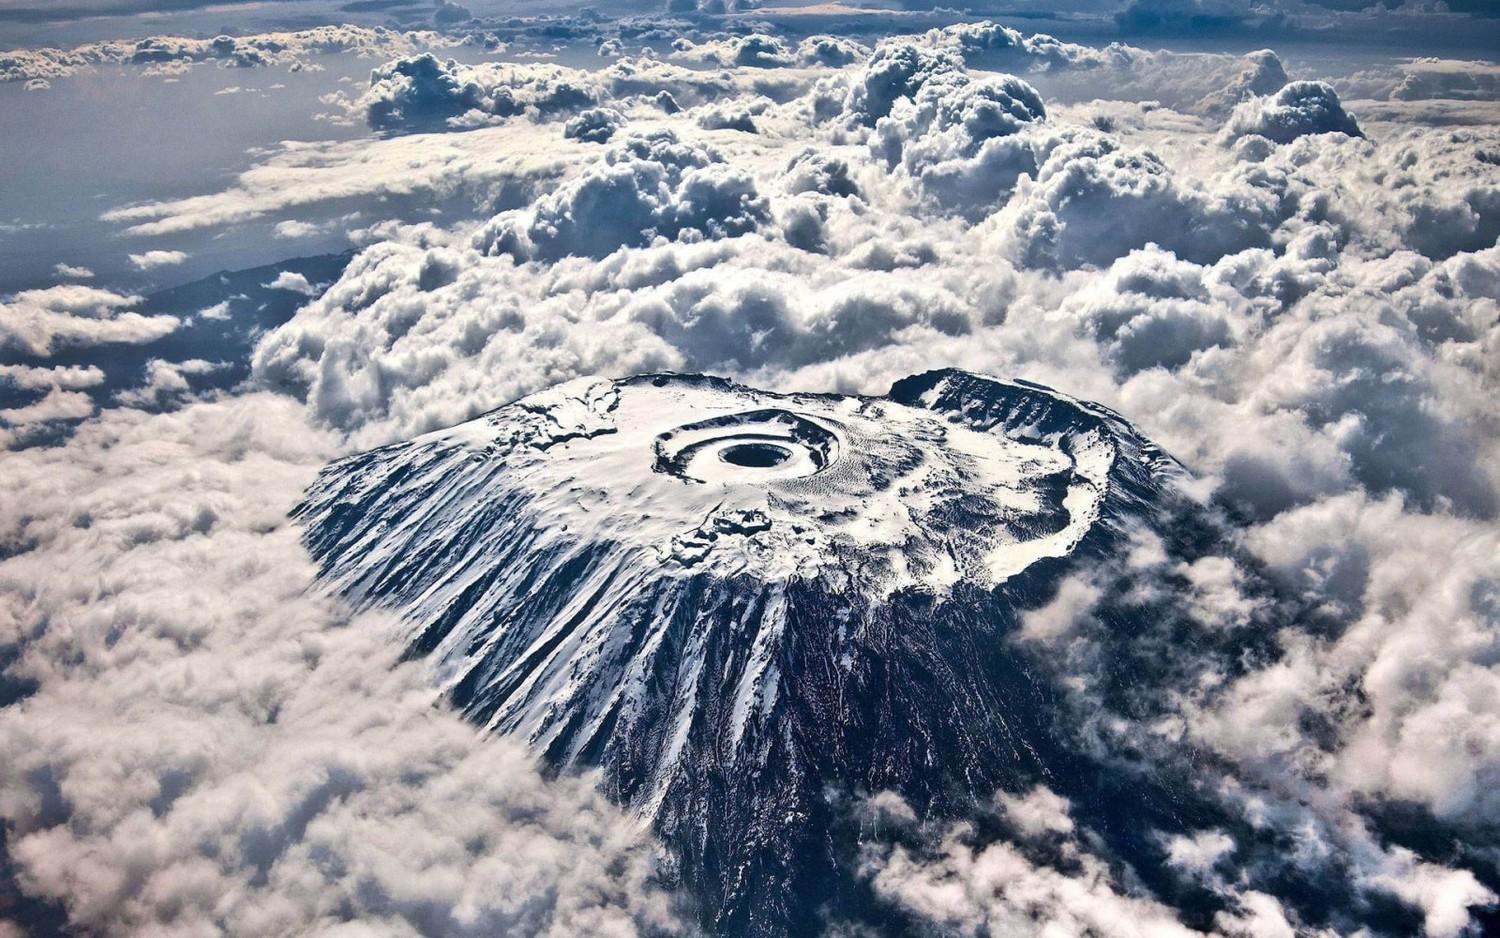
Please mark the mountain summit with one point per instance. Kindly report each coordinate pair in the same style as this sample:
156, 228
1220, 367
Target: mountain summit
750, 609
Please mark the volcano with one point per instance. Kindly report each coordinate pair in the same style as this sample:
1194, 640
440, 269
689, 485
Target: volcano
749, 610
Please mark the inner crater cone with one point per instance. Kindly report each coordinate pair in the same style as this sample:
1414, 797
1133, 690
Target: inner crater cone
755, 455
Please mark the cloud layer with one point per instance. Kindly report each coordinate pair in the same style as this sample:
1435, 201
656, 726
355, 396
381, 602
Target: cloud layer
286, 48
1298, 297
207, 746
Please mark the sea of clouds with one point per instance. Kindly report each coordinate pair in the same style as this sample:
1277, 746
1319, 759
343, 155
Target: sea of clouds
1291, 284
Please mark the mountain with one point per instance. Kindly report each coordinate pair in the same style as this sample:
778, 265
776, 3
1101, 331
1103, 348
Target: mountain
749, 610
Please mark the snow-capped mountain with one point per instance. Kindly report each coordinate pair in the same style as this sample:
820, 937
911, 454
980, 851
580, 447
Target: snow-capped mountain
747, 608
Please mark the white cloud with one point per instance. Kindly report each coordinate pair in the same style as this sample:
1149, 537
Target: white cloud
217, 312
1218, 599
959, 140
1443, 895
1038, 812
1151, 309
293, 281
1198, 854
151, 260
1055, 620
57, 404
834, 51
728, 117
292, 229
36, 321
67, 377
1094, 200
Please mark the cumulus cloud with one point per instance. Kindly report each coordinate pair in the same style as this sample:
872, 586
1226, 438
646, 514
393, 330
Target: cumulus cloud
424, 92
1199, 83
1341, 557
1152, 310
594, 125
421, 92
1300, 108
1003, 47
995, 890
292, 229
652, 186
894, 71
1039, 811
817, 172
1093, 200
46, 395
686, 305
1199, 853
753, 51
835, 51
1262, 74
957, 139
727, 117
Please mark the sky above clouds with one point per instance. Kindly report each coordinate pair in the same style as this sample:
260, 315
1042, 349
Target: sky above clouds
1269, 241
